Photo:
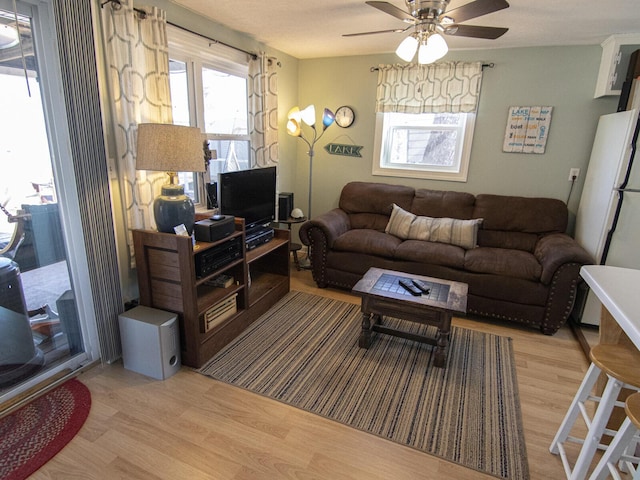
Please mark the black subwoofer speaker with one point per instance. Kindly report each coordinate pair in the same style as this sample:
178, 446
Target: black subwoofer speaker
285, 205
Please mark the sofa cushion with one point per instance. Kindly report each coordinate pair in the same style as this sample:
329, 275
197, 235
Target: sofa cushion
437, 203
431, 253
367, 241
364, 197
373, 221
521, 214
501, 239
406, 225
502, 261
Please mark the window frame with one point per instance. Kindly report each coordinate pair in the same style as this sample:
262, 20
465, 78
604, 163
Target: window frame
198, 52
380, 166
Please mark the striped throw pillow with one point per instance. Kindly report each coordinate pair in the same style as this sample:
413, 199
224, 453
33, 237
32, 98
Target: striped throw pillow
407, 226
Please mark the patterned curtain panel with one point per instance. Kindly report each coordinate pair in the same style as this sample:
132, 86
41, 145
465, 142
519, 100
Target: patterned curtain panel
263, 111
138, 56
447, 87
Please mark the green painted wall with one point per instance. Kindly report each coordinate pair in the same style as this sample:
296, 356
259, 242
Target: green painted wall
563, 77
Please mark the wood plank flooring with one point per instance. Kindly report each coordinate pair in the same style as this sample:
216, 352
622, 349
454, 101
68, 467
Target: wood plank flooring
192, 427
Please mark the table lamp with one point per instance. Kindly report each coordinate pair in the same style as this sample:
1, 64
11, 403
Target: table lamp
172, 149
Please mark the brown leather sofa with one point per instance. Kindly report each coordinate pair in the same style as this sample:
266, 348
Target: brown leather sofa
524, 268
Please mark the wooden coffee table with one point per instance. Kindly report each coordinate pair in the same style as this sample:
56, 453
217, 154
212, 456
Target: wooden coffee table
383, 295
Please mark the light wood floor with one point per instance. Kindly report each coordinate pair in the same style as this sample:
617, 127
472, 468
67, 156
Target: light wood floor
192, 427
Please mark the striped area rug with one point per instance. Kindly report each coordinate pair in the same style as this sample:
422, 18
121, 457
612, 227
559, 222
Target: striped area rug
304, 352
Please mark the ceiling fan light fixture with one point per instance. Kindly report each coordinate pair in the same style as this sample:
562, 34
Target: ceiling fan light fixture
8, 36
432, 48
407, 48
438, 42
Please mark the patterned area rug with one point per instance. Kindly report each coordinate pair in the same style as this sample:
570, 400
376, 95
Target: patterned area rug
304, 352
31, 436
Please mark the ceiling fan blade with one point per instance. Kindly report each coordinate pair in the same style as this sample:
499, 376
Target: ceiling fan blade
490, 33
473, 9
386, 7
395, 30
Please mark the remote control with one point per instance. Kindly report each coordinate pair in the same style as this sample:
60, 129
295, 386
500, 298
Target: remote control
422, 286
410, 287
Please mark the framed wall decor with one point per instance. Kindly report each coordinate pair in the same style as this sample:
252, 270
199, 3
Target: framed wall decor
527, 129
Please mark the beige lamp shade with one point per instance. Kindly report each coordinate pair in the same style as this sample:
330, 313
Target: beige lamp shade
169, 148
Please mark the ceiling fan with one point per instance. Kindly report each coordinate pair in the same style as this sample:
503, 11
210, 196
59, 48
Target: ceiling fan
430, 19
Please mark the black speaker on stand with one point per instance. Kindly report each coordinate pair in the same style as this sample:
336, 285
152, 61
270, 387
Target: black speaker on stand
285, 205
212, 195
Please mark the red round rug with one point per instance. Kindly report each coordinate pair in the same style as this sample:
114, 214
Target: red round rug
32, 435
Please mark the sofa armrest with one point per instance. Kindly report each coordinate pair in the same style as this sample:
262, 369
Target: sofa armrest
332, 224
557, 249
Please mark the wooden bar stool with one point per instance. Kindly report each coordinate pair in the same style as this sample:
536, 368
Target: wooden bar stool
618, 450
620, 364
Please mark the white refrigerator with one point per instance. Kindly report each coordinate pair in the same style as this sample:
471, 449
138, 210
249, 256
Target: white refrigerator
608, 217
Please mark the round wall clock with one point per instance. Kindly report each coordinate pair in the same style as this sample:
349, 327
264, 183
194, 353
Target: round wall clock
345, 116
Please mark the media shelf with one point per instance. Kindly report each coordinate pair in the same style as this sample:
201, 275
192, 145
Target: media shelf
166, 268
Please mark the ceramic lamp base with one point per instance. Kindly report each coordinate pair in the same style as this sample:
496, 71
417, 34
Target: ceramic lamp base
173, 208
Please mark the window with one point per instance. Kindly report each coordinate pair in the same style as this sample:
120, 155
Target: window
209, 90
425, 115
427, 145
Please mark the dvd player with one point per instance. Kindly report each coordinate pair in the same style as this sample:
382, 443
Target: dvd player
217, 257
259, 236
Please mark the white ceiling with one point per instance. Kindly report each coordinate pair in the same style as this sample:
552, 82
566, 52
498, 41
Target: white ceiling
314, 28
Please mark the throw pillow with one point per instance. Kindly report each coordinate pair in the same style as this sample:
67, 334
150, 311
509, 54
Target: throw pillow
407, 226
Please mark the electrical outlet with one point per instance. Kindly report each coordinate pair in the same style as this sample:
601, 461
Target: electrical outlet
573, 174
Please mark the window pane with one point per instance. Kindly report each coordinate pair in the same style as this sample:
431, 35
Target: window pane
427, 145
225, 103
180, 108
232, 155
421, 146
447, 118
179, 92
188, 181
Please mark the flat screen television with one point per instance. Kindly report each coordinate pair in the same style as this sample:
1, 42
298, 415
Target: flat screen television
250, 194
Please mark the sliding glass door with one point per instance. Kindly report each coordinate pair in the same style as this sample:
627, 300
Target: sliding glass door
45, 322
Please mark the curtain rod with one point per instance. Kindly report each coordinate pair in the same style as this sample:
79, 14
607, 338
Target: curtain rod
484, 65
143, 15
212, 40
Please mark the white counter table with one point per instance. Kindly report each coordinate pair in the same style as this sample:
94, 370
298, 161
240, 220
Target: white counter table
618, 289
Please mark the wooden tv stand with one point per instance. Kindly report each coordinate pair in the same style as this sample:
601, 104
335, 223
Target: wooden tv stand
166, 266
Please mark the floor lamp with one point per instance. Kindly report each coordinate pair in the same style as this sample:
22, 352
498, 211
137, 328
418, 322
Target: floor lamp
296, 118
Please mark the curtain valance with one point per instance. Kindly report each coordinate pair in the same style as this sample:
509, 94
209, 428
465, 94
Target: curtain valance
451, 87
